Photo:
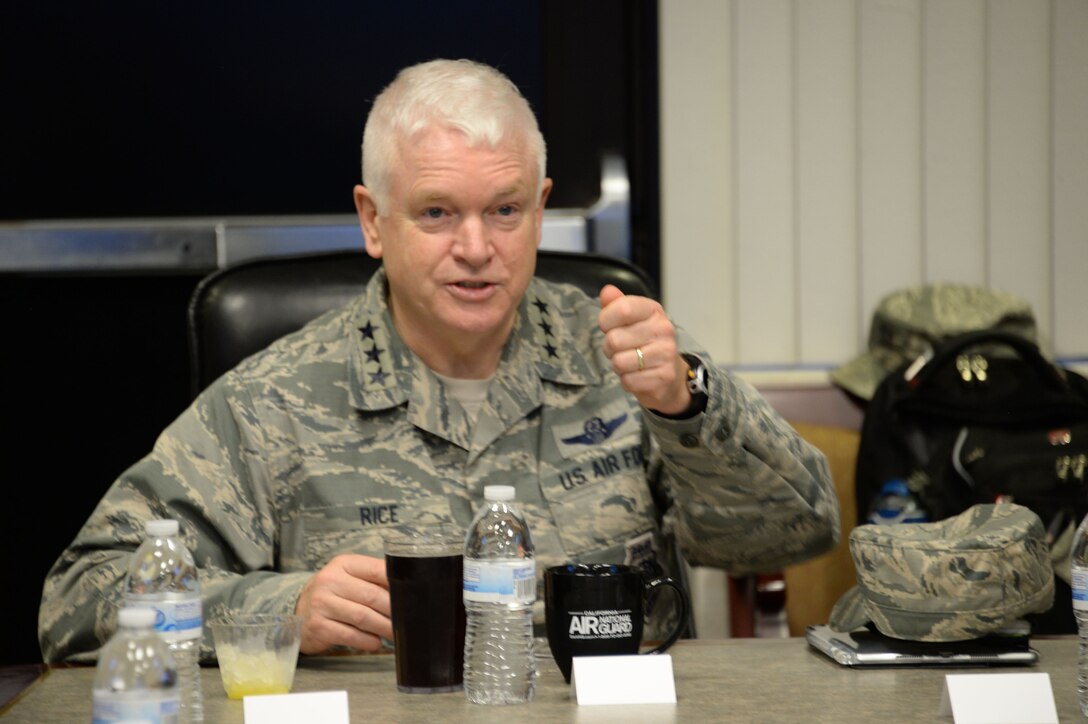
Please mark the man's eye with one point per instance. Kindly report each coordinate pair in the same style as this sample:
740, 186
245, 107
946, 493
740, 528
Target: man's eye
433, 213
505, 210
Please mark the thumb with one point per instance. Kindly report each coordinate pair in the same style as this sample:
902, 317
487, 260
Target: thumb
609, 294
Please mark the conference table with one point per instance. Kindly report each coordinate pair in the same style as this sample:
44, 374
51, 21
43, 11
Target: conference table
743, 680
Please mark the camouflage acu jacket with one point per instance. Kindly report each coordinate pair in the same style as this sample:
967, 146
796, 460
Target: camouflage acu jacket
311, 447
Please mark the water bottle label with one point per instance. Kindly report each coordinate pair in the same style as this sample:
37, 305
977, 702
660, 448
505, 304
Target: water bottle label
1080, 588
124, 707
175, 620
500, 581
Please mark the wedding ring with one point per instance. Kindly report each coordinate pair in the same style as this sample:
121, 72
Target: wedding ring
641, 359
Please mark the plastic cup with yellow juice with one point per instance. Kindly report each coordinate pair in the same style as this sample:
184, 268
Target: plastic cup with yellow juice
257, 652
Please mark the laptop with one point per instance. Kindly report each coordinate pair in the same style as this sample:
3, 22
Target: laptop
867, 647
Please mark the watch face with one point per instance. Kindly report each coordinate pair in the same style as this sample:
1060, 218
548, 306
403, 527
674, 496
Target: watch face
696, 375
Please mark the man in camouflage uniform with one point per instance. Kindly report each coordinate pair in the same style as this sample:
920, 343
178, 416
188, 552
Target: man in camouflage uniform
456, 369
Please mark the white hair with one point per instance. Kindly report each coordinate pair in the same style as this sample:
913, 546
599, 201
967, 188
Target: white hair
473, 98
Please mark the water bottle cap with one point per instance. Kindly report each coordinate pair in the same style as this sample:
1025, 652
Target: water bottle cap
499, 492
895, 486
162, 528
136, 617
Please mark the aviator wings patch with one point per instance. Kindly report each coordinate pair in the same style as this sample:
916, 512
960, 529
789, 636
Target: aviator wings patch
600, 427
595, 431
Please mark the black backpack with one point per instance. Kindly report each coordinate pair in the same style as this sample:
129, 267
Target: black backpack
987, 417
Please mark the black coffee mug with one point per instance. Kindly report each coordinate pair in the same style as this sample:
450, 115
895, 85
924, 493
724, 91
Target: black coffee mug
596, 609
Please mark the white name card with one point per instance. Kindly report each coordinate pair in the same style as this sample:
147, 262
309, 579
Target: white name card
632, 679
999, 699
327, 707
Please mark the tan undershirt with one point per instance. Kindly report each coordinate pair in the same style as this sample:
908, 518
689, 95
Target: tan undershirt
470, 394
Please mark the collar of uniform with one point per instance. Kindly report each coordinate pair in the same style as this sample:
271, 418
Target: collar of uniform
382, 366
553, 335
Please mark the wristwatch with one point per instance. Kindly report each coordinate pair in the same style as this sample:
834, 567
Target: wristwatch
696, 386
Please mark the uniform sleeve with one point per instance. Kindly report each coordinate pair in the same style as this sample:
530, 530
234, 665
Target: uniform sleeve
205, 472
746, 493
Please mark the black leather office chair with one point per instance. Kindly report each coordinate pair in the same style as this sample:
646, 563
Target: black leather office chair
240, 310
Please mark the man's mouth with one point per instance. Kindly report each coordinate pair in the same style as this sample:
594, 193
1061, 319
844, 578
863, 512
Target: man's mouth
472, 284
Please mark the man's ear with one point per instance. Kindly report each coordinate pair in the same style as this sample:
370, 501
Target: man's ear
545, 189
367, 211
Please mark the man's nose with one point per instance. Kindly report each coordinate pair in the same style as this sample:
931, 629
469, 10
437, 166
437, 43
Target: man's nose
472, 243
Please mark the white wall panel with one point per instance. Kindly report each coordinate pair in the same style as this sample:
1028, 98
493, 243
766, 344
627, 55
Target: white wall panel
697, 252
817, 155
1019, 152
764, 182
954, 133
889, 131
826, 180
1070, 185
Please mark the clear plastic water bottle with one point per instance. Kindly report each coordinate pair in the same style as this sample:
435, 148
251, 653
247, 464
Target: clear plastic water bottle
1080, 609
499, 591
896, 504
135, 680
163, 576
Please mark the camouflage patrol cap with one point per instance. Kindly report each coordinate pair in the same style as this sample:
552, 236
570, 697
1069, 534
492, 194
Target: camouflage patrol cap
956, 579
909, 322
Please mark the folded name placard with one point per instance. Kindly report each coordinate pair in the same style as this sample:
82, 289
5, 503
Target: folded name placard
999, 699
622, 680
327, 707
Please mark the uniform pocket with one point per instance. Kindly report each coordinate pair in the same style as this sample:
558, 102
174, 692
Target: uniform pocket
601, 514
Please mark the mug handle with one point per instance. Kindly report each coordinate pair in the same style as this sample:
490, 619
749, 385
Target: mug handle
651, 589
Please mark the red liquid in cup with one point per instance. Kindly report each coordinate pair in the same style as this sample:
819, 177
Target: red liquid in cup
428, 621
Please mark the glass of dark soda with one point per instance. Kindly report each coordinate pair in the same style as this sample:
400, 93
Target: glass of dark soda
423, 564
